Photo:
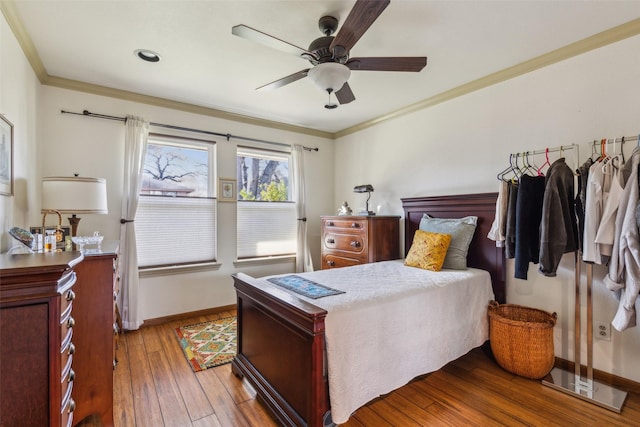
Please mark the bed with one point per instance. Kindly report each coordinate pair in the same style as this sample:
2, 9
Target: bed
283, 338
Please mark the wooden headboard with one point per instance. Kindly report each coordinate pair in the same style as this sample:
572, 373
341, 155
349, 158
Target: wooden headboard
483, 252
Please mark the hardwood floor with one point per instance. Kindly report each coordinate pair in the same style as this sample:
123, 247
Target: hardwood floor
154, 386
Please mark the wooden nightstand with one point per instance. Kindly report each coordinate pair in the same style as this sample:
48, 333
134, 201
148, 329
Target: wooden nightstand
353, 240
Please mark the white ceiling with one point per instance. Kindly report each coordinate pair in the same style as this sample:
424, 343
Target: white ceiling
205, 65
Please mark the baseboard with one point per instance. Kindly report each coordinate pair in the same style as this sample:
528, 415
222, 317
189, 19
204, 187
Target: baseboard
615, 381
181, 316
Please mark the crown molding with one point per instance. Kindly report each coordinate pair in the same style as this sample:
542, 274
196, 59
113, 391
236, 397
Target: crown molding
11, 16
94, 89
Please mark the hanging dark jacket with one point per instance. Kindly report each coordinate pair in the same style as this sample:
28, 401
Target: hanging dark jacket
558, 227
528, 217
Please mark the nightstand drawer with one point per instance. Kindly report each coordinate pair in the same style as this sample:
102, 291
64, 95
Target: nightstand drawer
353, 243
353, 224
334, 261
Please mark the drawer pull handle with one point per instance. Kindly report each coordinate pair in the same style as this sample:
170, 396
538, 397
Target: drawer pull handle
72, 406
330, 223
355, 225
72, 376
71, 295
72, 349
331, 263
355, 244
71, 322
331, 241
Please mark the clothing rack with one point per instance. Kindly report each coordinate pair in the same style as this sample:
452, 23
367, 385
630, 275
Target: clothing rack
575, 384
546, 151
228, 136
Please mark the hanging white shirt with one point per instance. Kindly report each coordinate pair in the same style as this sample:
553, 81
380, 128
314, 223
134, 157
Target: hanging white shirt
498, 228
593, 213
607, 228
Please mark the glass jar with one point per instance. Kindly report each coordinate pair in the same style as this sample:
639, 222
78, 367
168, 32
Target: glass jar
50, 241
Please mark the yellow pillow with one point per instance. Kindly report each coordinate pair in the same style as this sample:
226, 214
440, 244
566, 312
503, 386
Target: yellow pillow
428, 250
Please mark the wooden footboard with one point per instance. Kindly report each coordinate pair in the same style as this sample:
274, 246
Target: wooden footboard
281, 352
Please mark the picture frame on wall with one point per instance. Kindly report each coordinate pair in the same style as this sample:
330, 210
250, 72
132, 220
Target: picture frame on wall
6, 156
227, 190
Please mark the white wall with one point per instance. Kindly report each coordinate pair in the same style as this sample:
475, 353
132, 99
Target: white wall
19, 91
458, 147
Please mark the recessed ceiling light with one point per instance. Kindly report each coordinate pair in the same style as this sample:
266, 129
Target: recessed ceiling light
147, 55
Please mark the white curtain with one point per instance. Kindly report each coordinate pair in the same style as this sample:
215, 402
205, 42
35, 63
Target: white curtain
303, 255
135, 147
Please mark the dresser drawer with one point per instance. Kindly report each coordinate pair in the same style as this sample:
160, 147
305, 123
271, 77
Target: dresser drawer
335, 261
66, 386
66, 323
353, 224
67, 408
66, 301
352, 243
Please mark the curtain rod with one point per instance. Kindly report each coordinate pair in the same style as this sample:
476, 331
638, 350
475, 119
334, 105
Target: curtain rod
162, 125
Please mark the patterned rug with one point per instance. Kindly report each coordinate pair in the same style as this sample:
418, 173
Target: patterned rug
208, 344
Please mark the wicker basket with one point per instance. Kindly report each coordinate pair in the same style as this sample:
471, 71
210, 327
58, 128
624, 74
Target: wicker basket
522, 339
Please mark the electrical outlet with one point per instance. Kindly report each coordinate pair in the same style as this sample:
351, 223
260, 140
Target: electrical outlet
602, 330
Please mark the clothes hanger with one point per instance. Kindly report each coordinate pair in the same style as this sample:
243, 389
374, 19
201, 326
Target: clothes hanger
595, 156
501, 174
523, 168
546, 162
532, 167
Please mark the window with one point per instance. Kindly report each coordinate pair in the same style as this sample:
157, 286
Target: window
176, 217
267, 223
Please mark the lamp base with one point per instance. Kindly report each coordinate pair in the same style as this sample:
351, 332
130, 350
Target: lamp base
73, 221
366, 213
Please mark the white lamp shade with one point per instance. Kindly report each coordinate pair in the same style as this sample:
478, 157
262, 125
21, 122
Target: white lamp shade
74, 195
329, 76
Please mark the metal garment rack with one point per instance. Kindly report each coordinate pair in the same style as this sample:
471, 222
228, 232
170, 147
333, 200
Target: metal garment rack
575, 384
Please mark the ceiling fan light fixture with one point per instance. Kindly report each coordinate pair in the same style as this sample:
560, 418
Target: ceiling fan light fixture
329, 76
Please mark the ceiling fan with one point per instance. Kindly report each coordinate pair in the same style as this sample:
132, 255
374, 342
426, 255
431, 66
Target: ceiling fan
329, 54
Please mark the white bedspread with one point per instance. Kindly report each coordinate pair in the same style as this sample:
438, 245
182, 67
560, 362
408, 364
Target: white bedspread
395, 323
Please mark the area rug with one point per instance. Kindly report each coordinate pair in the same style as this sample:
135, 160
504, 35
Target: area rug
208, 344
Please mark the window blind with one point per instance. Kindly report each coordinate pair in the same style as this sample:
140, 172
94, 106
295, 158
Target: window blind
266, 229
175, 230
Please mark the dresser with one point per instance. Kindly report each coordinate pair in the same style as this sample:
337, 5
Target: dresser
37, 341
94, 312
353, 240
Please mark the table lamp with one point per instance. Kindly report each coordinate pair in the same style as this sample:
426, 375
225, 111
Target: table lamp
367, 188
73, 195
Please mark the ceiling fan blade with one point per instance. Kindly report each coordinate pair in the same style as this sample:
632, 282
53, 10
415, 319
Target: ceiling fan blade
362, 15
345, 95
400, 63
267, 40
285, 80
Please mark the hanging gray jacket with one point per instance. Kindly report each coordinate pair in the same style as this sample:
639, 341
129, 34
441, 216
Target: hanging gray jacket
558, 227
